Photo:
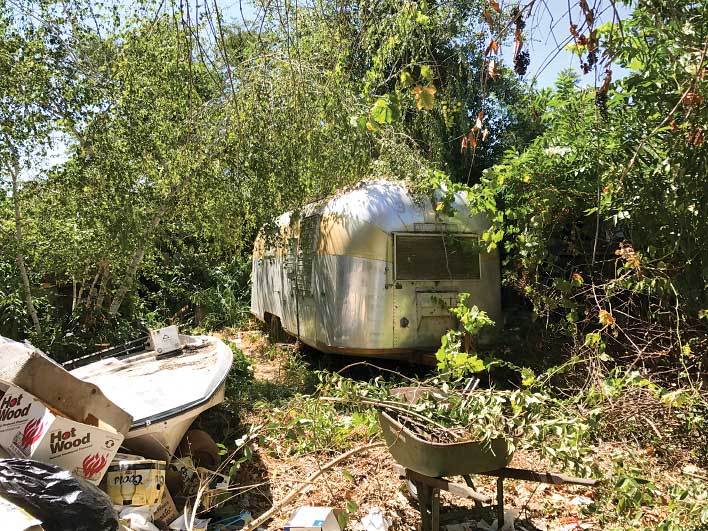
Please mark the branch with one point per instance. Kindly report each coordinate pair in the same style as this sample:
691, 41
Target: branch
273, 511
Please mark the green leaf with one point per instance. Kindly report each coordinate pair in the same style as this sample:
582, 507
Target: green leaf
527, 377
358, 121
352, 506
474, 364
342, 519
427, 73
385, 111
406, 79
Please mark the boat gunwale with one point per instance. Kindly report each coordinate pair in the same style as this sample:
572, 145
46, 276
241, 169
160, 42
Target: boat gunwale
182, 409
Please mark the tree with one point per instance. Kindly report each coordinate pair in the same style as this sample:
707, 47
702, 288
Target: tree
604, 214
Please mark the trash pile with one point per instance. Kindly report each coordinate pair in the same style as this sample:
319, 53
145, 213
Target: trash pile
68, 459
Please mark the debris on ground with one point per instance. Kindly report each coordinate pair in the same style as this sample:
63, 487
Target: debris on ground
137, 518
375, 521
56, 496
73, 435
313, 519
136, 481
184, 524
14, 518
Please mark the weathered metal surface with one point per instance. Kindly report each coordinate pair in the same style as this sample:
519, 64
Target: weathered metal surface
461, 491
336, 288
552, 478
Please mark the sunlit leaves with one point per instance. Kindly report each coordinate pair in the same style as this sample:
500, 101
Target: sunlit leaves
527, 377
406, 79
427, 73
606, 318
385, 110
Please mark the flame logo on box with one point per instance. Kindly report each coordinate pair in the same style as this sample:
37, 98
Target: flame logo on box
33, 431
93, 464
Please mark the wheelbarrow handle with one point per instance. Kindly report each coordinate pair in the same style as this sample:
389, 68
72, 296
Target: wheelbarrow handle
462, 491
540, 477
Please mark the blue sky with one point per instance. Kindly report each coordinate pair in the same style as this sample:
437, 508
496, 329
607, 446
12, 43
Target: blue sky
547, 30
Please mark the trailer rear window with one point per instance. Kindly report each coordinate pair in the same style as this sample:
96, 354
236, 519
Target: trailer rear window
436, 257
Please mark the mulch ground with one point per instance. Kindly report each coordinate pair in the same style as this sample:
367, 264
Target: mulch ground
368, 480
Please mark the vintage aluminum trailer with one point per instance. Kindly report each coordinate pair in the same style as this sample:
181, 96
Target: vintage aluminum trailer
372, 271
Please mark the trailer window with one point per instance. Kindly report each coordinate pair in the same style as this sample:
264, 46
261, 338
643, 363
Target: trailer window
436, 257
291, 259
309, 227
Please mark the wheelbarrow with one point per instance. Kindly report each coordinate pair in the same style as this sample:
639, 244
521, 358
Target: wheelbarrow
425, 464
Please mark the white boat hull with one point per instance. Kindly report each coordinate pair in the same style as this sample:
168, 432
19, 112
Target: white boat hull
163, 393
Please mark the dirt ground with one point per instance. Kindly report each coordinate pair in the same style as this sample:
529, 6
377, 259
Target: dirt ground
368, 478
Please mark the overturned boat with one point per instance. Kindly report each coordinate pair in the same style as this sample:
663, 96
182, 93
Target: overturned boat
164, 392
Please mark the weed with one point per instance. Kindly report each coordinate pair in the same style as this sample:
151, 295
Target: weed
306, 425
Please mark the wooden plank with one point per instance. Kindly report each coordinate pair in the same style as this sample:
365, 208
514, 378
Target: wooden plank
540, 477
456, 489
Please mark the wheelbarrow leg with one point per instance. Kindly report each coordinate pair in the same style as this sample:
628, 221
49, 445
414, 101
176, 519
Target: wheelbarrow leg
435, 509
424, 501
429, 501
500, 502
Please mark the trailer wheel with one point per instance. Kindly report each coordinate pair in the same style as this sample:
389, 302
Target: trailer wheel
275, 329
201, 448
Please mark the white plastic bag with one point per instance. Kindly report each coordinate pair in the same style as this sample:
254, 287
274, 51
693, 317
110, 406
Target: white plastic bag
138, 518
375, 521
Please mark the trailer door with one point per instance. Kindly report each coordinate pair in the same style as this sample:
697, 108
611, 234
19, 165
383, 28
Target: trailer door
288, 295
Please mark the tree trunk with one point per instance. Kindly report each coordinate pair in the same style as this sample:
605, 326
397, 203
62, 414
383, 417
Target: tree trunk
92, 291
82, 285
136, 260
103, 288
15, 173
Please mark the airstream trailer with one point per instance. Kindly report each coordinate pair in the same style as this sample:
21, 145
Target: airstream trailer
372, 271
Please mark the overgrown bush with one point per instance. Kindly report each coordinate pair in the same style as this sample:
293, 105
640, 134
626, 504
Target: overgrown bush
602, 219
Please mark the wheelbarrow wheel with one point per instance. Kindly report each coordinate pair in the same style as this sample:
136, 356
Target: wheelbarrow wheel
199, 445
412, 489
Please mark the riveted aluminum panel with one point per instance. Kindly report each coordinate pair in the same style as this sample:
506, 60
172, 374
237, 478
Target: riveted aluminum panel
353, 302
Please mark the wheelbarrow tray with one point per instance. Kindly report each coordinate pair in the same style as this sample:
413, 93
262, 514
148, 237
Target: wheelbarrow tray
442, 459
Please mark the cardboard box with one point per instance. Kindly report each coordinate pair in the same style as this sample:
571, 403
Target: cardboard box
313, 519
166, 511
27, 368
30, 429
136, 481
185, 467
164, 340
218, 489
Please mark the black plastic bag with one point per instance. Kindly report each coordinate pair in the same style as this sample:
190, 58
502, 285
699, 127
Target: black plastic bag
53, 495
